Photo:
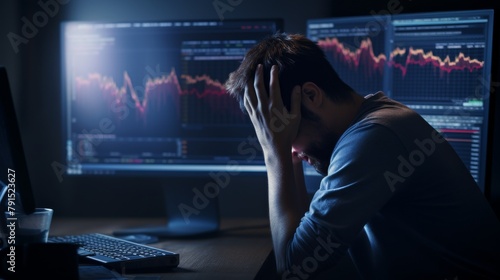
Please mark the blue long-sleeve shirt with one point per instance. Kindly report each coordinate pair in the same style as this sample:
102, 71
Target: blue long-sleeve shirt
398, 201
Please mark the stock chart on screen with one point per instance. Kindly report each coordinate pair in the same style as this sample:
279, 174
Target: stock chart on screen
150, 96
356, 52
437, 63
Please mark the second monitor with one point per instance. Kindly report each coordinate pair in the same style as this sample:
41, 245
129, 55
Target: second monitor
437, 63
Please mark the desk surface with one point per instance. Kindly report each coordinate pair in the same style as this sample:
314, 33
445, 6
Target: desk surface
237, 252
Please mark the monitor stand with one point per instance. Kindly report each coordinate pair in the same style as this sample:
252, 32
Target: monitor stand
190, 213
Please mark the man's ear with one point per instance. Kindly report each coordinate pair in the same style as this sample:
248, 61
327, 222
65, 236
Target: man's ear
312, 95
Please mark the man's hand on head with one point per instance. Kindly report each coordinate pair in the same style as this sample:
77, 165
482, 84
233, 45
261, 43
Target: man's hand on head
276, 129
274, 125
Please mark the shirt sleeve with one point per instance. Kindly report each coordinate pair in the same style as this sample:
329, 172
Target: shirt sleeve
357, 187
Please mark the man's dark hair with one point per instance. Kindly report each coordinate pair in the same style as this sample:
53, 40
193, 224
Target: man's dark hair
299, 59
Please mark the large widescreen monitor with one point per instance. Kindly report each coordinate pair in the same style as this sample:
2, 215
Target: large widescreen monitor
437, 63
144, 97
148, 99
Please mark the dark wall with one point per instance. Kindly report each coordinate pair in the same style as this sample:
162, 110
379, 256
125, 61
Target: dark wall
35, 76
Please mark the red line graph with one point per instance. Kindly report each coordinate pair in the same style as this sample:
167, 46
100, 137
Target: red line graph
210, 101
211, 87
364, 55
421, 58
157, 95
157, 92
400, 58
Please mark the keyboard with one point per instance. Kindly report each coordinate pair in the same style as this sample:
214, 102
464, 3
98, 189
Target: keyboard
118, 254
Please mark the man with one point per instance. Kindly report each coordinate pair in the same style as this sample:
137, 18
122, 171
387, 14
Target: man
395, 198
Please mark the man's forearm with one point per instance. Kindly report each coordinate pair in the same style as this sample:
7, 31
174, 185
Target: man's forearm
285, 211
300, 185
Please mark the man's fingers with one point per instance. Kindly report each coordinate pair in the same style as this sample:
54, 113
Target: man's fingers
274, 86
259, 86
250, 98
247, 102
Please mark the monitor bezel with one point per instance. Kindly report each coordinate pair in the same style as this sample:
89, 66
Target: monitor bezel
22, 181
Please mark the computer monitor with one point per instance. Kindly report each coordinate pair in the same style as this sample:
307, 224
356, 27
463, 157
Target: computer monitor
437, 63
148, 99
16, 195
